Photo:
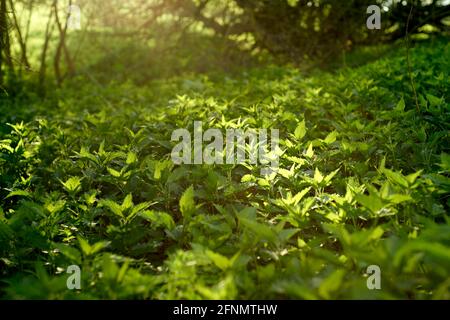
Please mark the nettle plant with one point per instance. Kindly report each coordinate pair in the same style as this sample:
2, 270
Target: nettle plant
235, 150
362, 179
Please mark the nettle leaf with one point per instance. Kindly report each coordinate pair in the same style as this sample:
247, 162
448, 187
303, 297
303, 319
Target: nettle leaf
91, 197
55, 207
433, 250
131, 158
98, 246
400, 105
288, 174
101, 149
300, 131
84, 245
261, 230
177, 175
159, 167
434, 101
113, 206
372, 202
158, 219
247, 219
88, 249
375, 234
114, 172
399, 198
72, 185
310, 152
263, 182
299, 196
329, 177
296, 160
248, 178
70, 252
187, 203
219, 260
85, 154
137, 209
5, 144
19, 193
285, 234
248, 213
318, 177
127, 202
331, 284
396, 177
331, 137
445, 162
413, 177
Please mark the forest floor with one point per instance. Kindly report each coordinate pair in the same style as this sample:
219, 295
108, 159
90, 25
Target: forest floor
88, 180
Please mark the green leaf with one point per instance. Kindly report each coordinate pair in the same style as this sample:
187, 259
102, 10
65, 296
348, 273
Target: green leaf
131, 158
286, 234
71, 253
5, 144
72, 185
400, 105
219, 260
19, 193
261, 230
98, 246
331, 137
434, 101
300, 131
399, 198
187, 203
158, 218
445, 162
84, 245
299, 196
310, 152
248, 213
127, 202
329, 177
137, 209
331, 284
318, 177
55, 207
111, 205
372, 202
114, 172
85, 154
248, 178
396, 178
88, 250
413, 177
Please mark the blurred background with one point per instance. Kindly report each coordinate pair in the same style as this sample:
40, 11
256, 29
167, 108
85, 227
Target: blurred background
45, 42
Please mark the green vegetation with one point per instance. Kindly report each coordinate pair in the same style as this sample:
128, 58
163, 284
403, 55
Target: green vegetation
87, 179
91, 92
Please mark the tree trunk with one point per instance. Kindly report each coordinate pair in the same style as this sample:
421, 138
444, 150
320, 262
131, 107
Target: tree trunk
62, 47
43, 66
22, 43
3, 33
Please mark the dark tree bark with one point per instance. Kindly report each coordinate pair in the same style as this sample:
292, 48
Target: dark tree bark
43, 62
62, 48
3, 33
22, 43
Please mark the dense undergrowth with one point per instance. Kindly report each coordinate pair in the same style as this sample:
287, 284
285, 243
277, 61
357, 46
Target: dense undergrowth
88, 180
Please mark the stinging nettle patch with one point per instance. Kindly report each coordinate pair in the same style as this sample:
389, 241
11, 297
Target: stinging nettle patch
239, 143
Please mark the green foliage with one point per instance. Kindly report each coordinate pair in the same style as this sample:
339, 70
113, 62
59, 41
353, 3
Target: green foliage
364, 180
